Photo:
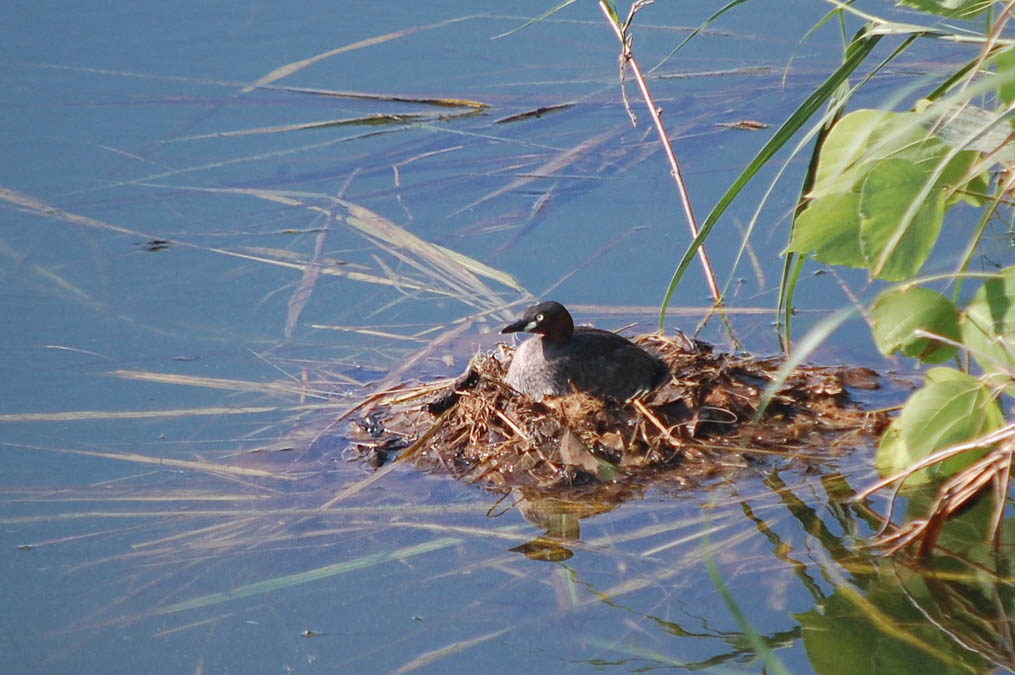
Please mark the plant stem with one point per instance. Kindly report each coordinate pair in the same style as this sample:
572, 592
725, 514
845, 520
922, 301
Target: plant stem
627, 59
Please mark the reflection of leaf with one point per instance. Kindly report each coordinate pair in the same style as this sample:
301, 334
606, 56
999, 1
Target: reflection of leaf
966, 534
941, 618
879, 632
898, 314
573, 452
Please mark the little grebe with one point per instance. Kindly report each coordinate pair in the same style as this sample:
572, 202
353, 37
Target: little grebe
560, 358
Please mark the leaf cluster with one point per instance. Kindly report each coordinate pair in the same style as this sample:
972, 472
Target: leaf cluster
890, 191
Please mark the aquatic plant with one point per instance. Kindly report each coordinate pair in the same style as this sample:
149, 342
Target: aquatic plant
879, 189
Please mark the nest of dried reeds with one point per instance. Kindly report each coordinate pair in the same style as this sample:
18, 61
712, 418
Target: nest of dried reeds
701, 420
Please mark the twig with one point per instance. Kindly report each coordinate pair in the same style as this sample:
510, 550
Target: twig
647, 414
994, 469
1004, 433
627, 59
514, 427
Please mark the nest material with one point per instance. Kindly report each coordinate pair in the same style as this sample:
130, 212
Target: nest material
700, 421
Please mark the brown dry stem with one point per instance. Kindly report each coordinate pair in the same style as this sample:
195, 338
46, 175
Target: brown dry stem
992, 470
627, 60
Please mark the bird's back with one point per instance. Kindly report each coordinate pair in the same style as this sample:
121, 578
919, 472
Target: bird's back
595, 361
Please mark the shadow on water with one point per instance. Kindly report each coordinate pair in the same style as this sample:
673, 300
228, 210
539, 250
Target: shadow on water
214, 256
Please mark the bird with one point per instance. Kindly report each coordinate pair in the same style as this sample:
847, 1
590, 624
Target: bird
560, 358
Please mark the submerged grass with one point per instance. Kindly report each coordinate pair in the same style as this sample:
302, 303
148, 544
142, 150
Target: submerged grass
309, 576
758, 644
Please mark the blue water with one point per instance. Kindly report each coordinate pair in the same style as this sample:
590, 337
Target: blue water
119, 132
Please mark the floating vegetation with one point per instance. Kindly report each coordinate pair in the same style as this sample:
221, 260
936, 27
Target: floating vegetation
706, 420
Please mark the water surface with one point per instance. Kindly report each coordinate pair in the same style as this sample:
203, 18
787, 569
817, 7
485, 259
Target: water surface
202, 275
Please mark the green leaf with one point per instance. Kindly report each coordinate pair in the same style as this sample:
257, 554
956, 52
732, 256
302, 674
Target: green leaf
885, 199
952, 407
969, 127
897, 314
976, 189
863, 138
988, 324
830, 227
953, 9
857, 140
894, 456
1005, 62
904, 177
956, 174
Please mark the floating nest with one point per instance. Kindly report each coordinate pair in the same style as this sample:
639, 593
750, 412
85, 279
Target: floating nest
699, 424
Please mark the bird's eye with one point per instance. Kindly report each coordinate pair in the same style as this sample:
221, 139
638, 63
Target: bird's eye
539, 318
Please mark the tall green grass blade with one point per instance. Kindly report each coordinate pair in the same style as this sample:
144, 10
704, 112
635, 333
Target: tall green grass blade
787, 287
835, 108
811, 341
861, 46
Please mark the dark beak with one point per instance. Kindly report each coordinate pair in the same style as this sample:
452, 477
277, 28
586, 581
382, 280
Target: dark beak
520, 326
